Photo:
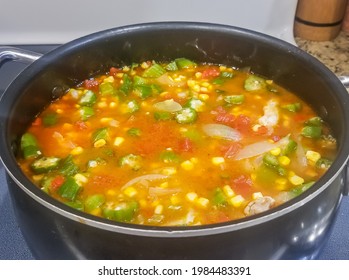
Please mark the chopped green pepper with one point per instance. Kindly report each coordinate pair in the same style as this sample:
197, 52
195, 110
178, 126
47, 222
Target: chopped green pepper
101, 133
162, 116
219, 197
45, 164
86, 112
294, 107
69, 189
50, 119
68, 166
184, 63
169, 156
186, 116
88, 99
234, 99
154, 71
134, 131
271, 161
94, 201
29, 146
312, 131
122, 212
127, 85
106, 88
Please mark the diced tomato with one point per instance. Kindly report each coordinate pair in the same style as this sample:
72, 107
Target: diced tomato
242, 123
262, 130
57, 182
90, 84
242, 185
81, 125
230, 150
276, 138
216, 216
185, 145
113, 71
210, 73
225, 118
37, 122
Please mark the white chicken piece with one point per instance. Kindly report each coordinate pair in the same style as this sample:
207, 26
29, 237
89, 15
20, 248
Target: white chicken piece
271, 115
259, 205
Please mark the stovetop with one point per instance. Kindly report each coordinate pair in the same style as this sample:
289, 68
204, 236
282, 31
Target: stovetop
13, 245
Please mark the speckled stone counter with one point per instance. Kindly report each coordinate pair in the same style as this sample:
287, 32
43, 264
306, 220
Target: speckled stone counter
334, 54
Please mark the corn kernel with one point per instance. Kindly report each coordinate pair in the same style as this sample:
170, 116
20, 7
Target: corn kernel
67, 126
275, 152
38, 178
236, 201
130, 191
125, 68
205, 84
145, 65
194, 160
118, 141
158, 209
187, 165
80, 179
143, 203
202, 202
255, 127
312, 156
257, 195
296, 180
196, 88
111, 192
99, 143
191, 83
228, 191
198, 75
204, 96
175, 199
102, 104
119, 75
284, 160
191, 196
281, 181
164, 185
269, 82
113, 104
155, 203
222, 68
169, 171
105, 120
76, 151
109, 79
217, 160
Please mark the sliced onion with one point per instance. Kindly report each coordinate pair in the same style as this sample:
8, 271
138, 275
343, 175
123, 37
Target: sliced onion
222, 131
144, 179
167, 80
156, 191
259, 148
300, 152
168, 106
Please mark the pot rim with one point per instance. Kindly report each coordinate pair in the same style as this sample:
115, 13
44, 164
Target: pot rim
14, 172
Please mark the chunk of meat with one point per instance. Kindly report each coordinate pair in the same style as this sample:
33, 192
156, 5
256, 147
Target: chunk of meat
259, 205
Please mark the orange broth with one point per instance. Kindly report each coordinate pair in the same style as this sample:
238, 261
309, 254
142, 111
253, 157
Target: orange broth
173, 144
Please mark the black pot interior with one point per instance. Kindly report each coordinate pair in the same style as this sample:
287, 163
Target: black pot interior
50, 76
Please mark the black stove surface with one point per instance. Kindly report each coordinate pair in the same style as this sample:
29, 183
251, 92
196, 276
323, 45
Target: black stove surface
14, 247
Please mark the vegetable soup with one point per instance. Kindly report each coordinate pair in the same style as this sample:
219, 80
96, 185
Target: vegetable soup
176, 144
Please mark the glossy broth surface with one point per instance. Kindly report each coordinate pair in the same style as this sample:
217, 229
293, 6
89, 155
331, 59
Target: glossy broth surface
178, 143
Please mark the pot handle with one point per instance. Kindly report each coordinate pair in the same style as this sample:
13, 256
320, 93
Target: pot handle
8, 53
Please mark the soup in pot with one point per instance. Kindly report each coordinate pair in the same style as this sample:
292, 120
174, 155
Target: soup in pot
176, 144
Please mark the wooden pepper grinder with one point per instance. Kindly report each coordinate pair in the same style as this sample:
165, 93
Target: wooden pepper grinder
319, 20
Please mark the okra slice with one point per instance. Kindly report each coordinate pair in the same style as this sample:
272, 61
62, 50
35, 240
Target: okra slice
45, 164
121, 212
253, 83
132, 161
154, 71
88, 99
29, 146
186, 116
69, 189
94, 201
234, 99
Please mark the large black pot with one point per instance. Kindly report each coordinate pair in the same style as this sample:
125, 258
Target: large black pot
297, 229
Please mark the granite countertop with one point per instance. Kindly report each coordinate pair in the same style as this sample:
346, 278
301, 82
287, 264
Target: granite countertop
334, 54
